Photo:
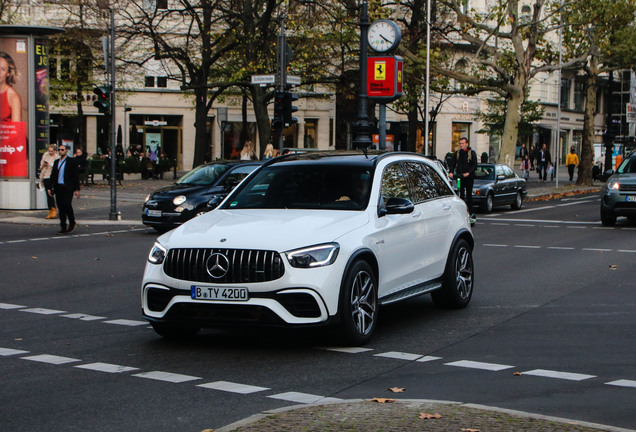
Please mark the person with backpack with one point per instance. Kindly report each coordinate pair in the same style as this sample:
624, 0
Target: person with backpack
462, 166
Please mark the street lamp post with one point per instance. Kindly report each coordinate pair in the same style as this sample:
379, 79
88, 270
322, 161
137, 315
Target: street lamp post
363, 125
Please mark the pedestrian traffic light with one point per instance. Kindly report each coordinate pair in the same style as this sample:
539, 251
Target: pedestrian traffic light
288, 109
103, 99
279, 100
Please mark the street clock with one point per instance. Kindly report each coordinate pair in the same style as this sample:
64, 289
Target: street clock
384, 36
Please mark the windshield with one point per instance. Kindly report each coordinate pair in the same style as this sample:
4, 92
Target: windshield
628, 166
485, 172
306, 186
204, 174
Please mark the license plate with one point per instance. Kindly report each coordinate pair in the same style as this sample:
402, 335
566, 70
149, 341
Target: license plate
631, 198
218, 293
153, 213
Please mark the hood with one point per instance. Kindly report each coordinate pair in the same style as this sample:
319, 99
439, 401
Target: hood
178, 189
264, 229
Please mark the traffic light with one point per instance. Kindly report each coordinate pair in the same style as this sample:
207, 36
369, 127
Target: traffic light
103, 99
288, 109
279, 100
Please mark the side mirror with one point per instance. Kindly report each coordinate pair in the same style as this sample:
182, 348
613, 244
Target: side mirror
214, 202
501, 177
608, 173
399, 206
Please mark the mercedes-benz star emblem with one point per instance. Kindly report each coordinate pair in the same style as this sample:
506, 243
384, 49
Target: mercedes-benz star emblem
217, 265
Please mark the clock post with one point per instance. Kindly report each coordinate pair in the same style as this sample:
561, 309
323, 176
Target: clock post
363, 125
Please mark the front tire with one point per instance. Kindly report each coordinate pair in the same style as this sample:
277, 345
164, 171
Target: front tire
358, 304
458, 279
607, 218
489, 203
518, 202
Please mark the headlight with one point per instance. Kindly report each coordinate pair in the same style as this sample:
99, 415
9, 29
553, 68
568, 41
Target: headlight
314, 256
476, 192
147, 198
157, 254
615, 185
179, 200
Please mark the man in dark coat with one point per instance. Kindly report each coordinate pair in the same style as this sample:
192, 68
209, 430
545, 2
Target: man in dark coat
463, 164
64, 184
543, 162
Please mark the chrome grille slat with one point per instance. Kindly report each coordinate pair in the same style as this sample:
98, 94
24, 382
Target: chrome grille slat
246, 265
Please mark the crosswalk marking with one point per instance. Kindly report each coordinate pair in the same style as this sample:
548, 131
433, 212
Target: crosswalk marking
347, 350
107, 367
51, 359
399, 355
303, 398
233, 387
125, 322
10, 306
83, 317
4, 352
479, 365
167, 376
560, 375
42, 311
622, 383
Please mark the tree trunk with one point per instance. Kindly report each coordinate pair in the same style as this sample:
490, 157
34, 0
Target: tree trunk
200, 126
587, 148
511, 129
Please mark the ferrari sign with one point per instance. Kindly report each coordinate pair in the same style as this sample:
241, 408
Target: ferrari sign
384, 78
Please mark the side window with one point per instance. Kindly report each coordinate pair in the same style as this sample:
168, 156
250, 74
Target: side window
420, 181
499, 170
508, 172
394, 183
238, 174
441, 186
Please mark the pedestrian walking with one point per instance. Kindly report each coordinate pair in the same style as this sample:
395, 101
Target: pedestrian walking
64, 184
523, 152
463, 164
544, 160
572, 161
46, 167
525, 167
532, 154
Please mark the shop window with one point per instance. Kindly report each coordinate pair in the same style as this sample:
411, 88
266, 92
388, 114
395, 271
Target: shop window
460, 130
311, 131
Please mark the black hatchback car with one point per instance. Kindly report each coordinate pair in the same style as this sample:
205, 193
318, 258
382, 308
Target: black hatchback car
169, 207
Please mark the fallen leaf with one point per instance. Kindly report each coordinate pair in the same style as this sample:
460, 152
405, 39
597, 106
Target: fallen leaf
613, 266
426, 416
34, 257
207, 430
517, 374
382, 400
397, 389
469, 430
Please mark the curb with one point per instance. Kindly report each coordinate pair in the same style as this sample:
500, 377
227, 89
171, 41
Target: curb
31, 220
249, 421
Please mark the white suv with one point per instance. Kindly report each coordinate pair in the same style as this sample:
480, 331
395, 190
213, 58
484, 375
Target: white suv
315, 239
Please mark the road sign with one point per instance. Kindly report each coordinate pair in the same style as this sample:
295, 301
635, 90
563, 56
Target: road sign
263, 80
293, 80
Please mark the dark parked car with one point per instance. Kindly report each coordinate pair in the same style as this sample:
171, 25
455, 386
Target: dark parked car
498, 185
618, 196
173, 205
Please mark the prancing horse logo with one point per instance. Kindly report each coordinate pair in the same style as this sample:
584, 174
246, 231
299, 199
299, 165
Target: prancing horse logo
217, 265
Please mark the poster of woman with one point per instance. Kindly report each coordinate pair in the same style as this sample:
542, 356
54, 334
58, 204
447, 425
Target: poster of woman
13, 90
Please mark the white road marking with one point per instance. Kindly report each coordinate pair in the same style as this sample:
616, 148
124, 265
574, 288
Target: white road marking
549, 221
479, 365
557, 374
42, 311
527, 247
125, 322
303, 398
626, 251
575, 227
428, 359
167, 376
560, 248
233, 387
10, 306
399, 355
347, 350
51, 359
4, 352
597, 250
622, 383
106, 367
494, 245
83, 317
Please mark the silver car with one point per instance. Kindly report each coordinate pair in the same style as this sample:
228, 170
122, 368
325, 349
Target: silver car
618, 195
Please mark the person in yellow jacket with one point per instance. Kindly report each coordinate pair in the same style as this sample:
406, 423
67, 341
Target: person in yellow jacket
571, 160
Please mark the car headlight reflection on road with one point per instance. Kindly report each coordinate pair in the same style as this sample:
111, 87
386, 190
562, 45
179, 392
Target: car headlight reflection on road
157, 254
314, 256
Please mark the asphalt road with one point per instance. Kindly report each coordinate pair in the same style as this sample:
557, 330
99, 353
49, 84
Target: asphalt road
550, 330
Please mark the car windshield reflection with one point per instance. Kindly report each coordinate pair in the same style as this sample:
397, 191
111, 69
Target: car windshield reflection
485, 172
203, 175
323, 187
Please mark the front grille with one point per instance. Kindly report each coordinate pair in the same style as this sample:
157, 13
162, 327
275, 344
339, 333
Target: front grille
245, 265
627, 187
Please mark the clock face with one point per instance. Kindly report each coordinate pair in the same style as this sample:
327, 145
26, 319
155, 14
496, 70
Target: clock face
384, 35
